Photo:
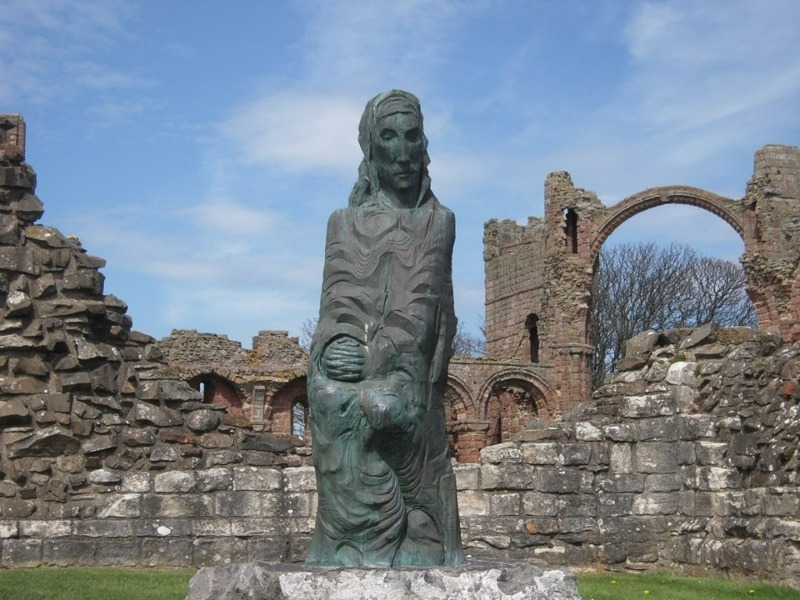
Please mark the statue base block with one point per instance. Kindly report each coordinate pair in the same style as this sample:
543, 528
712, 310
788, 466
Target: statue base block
476, 579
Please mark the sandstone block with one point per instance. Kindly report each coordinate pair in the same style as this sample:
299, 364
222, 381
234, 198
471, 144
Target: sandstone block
586, 432
298, 479
174, 482
124, 506
166, 552
655, 457
540, 453
508, 452
467, 476
21, 553
247, 504
510, 477
68, 553
648, 405
504, 504
215, 479
118, 553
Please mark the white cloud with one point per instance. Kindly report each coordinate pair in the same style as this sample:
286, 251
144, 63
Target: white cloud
54, 48
297, 131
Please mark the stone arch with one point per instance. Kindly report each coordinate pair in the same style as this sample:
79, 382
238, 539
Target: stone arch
282, 406
730, 211
217, 389
465, 433
509, 399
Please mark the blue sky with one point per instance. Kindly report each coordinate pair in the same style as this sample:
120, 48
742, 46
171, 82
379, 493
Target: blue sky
200, 146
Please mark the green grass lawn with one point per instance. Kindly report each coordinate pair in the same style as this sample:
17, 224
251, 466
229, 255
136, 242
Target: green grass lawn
94, 584
163, 584
665, 586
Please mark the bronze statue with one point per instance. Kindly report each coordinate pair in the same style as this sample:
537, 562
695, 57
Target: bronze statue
387, 493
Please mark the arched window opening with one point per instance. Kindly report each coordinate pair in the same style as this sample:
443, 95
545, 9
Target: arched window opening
299, 419
532, 325
218, 390
571, 229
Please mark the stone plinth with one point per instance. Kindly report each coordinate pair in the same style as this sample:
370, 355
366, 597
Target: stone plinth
480, 580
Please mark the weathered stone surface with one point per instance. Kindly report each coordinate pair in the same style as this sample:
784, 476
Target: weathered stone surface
47, 442
496, 581
13, 412
202, 420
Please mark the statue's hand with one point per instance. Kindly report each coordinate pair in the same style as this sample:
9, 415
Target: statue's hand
343, 359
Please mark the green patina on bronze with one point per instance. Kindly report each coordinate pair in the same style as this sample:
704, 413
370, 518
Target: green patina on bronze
387, 493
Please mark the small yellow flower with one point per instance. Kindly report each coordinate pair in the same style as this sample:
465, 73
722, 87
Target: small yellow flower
613, 582
646, 592
752, 592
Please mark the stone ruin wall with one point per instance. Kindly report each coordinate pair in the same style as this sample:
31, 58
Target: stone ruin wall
687, 461
547, 267
109, 456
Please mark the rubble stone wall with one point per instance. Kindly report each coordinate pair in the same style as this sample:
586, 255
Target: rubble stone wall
689, 460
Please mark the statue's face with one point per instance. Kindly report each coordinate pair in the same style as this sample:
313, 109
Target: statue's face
398, 151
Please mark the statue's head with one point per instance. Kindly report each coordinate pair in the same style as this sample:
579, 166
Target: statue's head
395, 149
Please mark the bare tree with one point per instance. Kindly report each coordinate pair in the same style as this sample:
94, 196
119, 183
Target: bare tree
468, 344
307, 330
645, 286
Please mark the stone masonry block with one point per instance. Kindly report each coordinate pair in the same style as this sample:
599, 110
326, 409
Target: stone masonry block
614, 505
508, 477
508, 452
247, 504
473, 503
467, 476
216, 479
785, 504
273, 527
299, 504
621, 432
655, 504
122, 506
257, 479
558, 481
586, 432
655, 457
166, 553
540, 453
119, 552
45, 529
218, 527
574, 454
300, 479
620, 483
218, 551
717, 478
21, 553
175, 505
649, 405
658, 429
711, 453
105, 528
68, 553
621, 459
682, 373
175, 482
9, 529
136, 482
504, 504
663, 482
540, 505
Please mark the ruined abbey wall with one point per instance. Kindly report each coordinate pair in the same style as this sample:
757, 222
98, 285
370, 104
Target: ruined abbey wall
110, 453
539, 276
689, 461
